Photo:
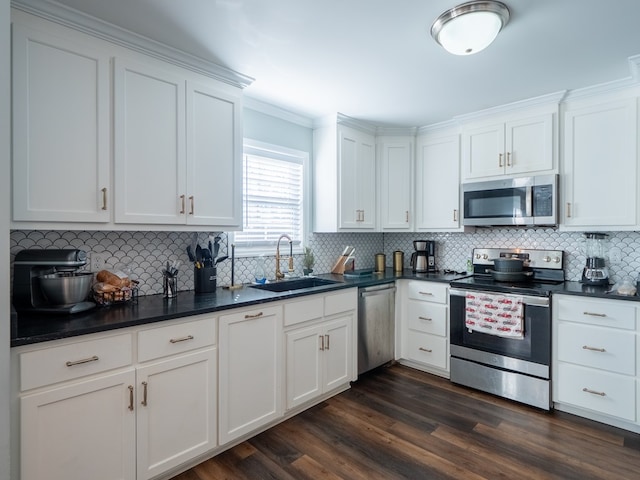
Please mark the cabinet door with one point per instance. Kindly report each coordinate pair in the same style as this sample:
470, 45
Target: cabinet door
250, 366
60, 129
357, 180
177, 411
304, 373
529, 144
396, 190
150, 155
438, 183
337, 358
483, 151
600, 165
84, 430
214, 156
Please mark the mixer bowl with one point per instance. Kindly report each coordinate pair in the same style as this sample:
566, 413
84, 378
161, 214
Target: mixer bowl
66, 288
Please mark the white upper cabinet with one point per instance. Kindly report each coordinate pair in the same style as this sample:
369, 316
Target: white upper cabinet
515, 146
88, 107
344, 179
183, 135
150, 152
395, 180
438, 182
600, 165
60, 128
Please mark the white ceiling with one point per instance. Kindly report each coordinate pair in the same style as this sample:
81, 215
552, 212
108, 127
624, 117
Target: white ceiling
375, 59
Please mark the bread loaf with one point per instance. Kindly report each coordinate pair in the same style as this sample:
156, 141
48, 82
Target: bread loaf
105, 276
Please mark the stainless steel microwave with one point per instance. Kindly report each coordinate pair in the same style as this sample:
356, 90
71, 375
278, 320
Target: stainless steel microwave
525, 201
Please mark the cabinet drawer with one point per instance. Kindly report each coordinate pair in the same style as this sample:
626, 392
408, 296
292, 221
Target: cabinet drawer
341, 301
606, 313
427, 349
171, 339
427, 317
602, 392
429, 291
303, 310
603, 348
74, 360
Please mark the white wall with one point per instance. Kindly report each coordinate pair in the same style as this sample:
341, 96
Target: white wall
5, 128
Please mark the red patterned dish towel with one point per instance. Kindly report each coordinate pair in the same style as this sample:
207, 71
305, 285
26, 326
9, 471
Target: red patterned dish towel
495, 314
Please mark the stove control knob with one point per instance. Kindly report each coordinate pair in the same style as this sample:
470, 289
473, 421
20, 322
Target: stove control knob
485, 256
556, 260
546, 259
478, 256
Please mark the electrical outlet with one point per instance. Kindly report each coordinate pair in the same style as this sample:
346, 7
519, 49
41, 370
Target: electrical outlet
98, 261
615, 255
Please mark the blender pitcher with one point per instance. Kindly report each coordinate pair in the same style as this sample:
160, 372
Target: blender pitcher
596, 249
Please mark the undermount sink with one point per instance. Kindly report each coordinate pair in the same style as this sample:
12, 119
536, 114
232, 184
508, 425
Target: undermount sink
297, 284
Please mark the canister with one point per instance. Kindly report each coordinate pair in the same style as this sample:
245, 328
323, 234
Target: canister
398, 261
380, 262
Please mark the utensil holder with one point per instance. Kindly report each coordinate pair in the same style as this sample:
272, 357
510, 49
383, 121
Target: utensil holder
398, 261
204, 279
170, 286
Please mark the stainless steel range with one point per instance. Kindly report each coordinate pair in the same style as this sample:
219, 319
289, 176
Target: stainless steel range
500, 331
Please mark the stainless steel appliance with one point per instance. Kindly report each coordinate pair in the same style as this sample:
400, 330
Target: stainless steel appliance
49, 281
423, 260
376, 326
596, 248
513, 201
517, 368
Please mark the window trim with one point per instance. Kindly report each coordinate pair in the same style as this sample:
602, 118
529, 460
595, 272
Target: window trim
279, 152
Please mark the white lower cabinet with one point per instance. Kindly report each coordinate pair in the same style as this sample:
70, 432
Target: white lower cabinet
82, 430
90, 408
320, 345
595, 371
250, 366
424, 326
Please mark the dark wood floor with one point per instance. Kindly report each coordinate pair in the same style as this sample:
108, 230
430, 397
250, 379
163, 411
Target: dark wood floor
397, 423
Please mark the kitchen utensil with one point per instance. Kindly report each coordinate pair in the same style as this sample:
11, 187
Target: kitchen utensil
66, 288
508, 264
198, 254
190, 253
221, 259
206, 257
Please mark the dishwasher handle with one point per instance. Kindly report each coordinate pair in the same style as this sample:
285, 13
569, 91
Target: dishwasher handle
365, 292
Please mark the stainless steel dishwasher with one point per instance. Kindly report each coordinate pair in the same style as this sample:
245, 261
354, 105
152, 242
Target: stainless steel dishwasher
376, 326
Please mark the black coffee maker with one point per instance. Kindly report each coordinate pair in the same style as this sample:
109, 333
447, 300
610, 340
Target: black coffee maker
32, 264
423, 260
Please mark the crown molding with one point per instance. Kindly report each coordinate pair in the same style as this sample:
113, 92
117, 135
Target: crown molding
442, 127
615, 86
277, 112
543, 100
396, 131
55, 12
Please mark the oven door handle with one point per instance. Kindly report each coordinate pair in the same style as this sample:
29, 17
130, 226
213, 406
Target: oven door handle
526, 299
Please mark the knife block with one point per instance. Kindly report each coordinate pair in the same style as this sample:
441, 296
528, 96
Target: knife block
344, 263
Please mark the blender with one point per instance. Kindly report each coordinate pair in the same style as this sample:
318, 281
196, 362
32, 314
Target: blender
596, 250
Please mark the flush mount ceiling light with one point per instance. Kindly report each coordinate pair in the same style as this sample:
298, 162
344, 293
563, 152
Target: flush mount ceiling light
470, 27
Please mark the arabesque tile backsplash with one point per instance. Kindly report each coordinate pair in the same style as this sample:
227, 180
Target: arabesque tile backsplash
146, 253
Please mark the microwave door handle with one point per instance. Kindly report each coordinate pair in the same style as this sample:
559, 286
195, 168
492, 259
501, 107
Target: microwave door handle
529, 201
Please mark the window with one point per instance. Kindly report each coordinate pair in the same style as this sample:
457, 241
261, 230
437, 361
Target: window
274, 196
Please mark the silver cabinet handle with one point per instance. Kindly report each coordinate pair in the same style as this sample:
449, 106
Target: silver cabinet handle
144, 394
321, 338
327, 337
104, 199
191, 200
428, 294
181, 339
182, 205
500, 160
426, 318
591, 314
594, 392
568, 210
455, 215
593, 349
428, 350
406, 216
84, 360
257, 315
131, 397
509, 159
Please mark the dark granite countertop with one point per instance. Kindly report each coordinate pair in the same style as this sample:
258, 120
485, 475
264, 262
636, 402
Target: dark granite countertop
38, 327
594, 291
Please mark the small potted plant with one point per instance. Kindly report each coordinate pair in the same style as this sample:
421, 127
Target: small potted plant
308, 261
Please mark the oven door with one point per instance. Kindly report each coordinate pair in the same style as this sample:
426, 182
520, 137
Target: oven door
530, 355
